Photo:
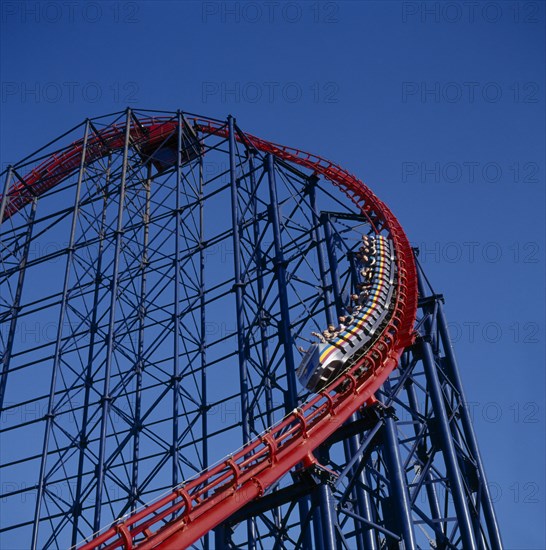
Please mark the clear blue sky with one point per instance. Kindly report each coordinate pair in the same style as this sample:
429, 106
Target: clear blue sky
439, 107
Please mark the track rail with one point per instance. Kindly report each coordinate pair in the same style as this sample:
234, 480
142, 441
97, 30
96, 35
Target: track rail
204, 502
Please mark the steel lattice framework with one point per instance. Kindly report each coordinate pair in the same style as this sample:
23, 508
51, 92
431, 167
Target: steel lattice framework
159, 271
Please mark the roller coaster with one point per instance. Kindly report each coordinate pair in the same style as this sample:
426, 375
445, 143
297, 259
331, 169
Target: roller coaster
365, 318
130, 451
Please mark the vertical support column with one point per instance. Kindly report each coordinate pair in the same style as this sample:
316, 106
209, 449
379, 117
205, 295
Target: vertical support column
398, 481
280, 269
6, 353
203, 318
239, 300
453, 371
432, 496
16, 306
5, 190
420, 277
328, 516
239, 284
203, 326
354, 271
139, 363
88, 379
320, 521
311, 189
332, 260
50, 415
176, 305
284, 329
317, 522
220, 537
6, 356
105, 400
363, 505
365, 538
448, 448
258, 259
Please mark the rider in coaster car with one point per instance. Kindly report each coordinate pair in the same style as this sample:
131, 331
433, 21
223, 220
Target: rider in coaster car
329, 333
320, 336
347, 319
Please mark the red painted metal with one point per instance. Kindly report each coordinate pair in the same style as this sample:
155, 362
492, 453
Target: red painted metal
202, 503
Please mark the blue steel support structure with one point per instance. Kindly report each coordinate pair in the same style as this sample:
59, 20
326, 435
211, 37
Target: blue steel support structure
15, 305
106, 397
175, 389
6, 355
82, 436
50, 416
351, 444
239, 285
448, 449
285, 331
239, 288
486, 500
192, 272
405, 499
397, 479
203, 326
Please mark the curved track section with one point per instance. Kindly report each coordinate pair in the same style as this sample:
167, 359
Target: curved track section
323, 361
204, 502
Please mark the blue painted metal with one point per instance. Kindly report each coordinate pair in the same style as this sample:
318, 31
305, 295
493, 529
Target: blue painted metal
448, 447
261, 312
175, 391
318, 522
352, 443
280, 270
82, 436
389, 508
399, 497
106, 398
328, 517
325, 287
470, 437
6, 355
51, 410
172, 420
291, 399
334, 268
238, 286
435, 512
139, 362
203, 329
7, 182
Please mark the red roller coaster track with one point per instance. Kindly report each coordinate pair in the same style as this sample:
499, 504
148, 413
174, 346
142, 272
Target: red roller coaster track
204, 502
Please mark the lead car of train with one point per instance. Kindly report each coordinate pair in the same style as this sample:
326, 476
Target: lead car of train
323, 361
